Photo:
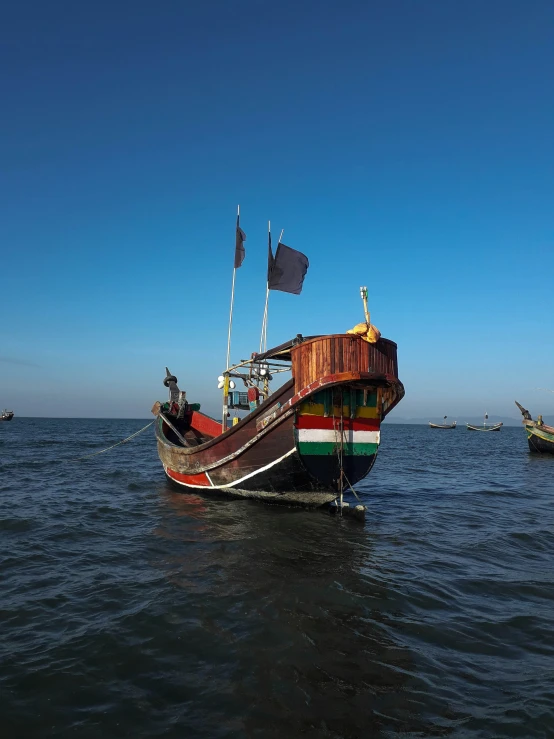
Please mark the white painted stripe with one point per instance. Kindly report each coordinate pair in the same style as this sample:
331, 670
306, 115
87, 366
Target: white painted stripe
220, 462
235, 482
330, 435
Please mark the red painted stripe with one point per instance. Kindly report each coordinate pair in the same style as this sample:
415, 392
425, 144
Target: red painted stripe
205, 425
349, 424
201, 479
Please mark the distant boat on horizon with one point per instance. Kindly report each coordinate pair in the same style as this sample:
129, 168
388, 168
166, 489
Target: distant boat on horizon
484, 427
539, 436
442, 425
6, 415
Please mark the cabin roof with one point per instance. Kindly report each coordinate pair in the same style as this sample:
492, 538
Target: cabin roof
282, 352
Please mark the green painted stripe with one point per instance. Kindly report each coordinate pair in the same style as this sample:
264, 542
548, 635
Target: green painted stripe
371, 398
329, 447
544, 435
325, 396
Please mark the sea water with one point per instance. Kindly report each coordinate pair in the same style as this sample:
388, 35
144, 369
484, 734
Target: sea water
131, 609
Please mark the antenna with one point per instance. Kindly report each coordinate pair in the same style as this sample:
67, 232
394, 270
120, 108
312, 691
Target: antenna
363, 295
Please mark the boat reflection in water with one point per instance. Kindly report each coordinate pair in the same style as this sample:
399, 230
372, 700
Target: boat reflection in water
281, 621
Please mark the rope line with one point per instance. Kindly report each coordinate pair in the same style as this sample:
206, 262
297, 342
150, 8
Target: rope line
339, 458
94, 454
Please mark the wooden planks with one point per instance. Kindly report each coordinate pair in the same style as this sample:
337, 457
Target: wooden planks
328, 355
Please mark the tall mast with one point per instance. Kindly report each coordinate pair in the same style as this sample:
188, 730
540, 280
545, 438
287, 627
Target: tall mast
263, 338
264, 317
232, 303
238, 258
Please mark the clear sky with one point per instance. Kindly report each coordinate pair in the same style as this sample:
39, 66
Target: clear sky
406, 146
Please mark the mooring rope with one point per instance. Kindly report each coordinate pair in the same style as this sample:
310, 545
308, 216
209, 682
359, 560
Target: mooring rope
351, 486
339, 459
94, 454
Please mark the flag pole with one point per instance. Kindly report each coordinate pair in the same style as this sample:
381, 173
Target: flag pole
264, 317
226, 380
264, 323
230, 320
226, 376
232, 303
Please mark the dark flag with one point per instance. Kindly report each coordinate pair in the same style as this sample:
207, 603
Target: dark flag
287, 269
239, 246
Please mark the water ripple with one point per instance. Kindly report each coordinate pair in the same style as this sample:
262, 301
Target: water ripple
130, 609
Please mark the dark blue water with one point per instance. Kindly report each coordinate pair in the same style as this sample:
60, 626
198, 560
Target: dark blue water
130, 610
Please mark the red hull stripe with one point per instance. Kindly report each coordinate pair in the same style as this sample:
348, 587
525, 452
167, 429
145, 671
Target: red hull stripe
205, 425
349, 424
201, 479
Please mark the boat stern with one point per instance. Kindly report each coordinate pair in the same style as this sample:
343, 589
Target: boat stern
339, 429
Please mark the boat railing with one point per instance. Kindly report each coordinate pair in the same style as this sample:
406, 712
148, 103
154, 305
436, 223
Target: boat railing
317, 357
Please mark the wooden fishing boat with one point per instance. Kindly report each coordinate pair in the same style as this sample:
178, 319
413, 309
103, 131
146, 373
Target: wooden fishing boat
308, 440
485, 427
6, 415
540, 437
305, 442
442, 425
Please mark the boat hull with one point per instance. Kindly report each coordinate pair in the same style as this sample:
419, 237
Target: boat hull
540, 440
284, 481
300, 445
302, 451
496, 427
442, 425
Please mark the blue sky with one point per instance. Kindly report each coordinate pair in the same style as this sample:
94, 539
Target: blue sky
406, 146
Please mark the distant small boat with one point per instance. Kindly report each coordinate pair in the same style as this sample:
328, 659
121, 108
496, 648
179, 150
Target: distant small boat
442, 425
6, 415
484, 427
539, 436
